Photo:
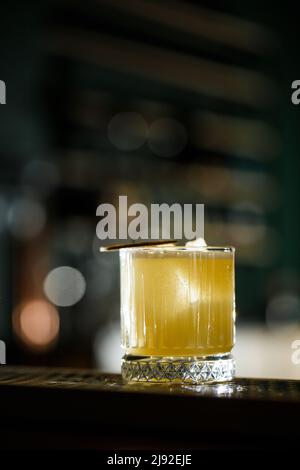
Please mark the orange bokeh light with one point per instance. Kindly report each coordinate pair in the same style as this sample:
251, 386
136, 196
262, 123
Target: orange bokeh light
36, 323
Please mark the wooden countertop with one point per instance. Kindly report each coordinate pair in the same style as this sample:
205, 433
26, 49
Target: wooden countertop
65, 408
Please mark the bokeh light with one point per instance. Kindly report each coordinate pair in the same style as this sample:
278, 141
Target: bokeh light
107, 349
127, 131
41, 176
26, 218
64, 286
36, 324
167, 137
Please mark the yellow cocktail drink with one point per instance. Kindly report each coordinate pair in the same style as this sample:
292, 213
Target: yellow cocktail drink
177, 302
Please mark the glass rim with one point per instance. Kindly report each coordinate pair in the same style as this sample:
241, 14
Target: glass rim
222, 249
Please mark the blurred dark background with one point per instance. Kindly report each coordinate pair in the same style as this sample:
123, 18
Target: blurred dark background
164, 101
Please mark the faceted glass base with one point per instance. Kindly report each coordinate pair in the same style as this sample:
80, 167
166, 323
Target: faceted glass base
192, 370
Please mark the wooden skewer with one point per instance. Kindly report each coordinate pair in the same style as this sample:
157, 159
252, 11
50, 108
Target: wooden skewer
139, 245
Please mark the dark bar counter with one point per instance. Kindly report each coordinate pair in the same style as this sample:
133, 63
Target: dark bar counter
43, 408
